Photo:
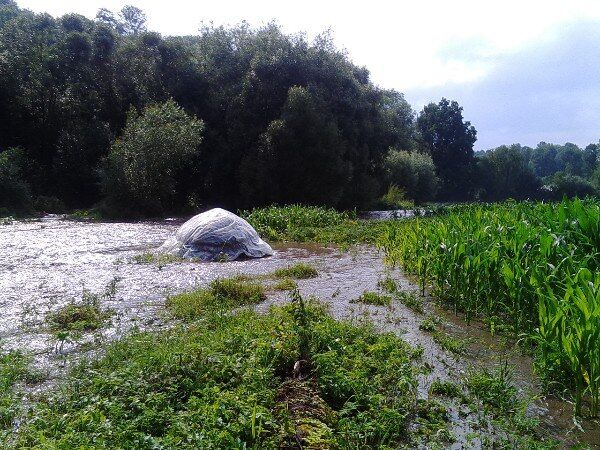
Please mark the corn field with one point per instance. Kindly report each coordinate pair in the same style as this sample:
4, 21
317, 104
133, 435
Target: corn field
530, 267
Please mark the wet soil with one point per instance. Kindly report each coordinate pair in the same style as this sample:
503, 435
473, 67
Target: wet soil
46, 264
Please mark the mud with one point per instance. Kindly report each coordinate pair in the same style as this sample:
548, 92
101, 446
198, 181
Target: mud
45, 264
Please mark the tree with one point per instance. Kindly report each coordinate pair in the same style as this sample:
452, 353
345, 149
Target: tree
130, 20
449, 140
505, 173
412, 172
302, 157
141, 168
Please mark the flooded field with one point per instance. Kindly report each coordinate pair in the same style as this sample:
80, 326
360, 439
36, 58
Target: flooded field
45, 264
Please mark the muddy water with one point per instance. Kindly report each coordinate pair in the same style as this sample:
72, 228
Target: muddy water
47, 263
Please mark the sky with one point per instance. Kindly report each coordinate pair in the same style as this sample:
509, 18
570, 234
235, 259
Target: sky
524, 70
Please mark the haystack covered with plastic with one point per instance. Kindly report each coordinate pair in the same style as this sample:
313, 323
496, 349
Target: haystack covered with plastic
216, 235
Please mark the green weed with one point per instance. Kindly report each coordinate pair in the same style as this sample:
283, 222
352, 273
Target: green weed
373, 298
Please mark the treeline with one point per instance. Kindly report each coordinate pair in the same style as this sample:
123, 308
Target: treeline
104, 112
546, 172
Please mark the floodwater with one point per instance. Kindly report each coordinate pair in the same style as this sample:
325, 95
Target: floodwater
47, 263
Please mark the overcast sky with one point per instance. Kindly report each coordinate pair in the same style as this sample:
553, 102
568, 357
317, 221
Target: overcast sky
524, 70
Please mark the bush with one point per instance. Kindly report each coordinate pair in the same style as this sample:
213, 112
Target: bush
140, 172
15, 194
413, 173
566, 185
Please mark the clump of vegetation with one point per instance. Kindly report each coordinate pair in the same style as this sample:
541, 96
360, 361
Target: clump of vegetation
300, 271
285, 284
222, 293
220, 383
394, 198
445, 388
450, 343
80, 316
494, 388
387, 284
373, 298
410, 299
160, 259
140, 168
541, 262
430, 324
312, 224
432, 422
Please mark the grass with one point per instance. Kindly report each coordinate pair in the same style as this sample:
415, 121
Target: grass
285, 284
225, 382
445, 389
160, 259
300, 271
531, 267
223, 293
411, 300
450, 343
494, 388
80, 316
373, 298
13, 368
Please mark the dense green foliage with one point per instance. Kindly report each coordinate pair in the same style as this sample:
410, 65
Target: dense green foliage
297, 223
547, 172
219, 383
144, 164
532, 266
449, 140
412, 172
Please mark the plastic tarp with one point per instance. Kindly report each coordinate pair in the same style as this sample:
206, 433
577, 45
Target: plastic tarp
216, 234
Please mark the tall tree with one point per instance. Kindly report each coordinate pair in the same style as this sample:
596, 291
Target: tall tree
449, 140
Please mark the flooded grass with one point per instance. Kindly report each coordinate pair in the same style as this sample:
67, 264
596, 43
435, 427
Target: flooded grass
223, 293
299, 271
373, 298
285, 284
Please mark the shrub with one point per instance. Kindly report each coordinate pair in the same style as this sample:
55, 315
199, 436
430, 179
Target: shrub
413, 173
140, 171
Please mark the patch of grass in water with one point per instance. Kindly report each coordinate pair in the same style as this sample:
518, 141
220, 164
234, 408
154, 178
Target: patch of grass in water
373, 298
388, 284
432, 423
214, 384
222, 293
446, 389
411, 300
300, 271
450, 343
160, 259
285, 284
79, 316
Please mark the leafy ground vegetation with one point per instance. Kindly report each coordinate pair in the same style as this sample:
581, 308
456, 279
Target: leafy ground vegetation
224, 379
296, 223
533, 266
